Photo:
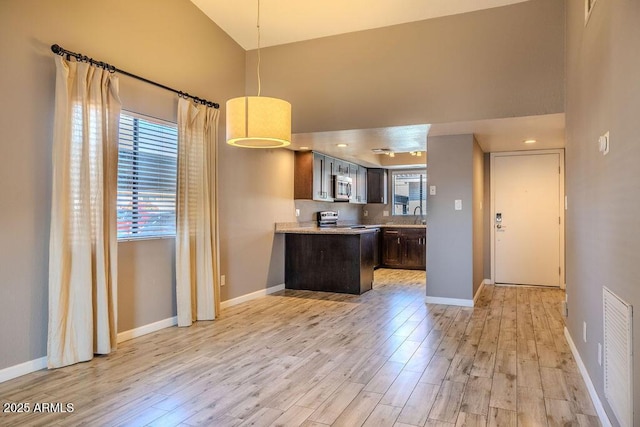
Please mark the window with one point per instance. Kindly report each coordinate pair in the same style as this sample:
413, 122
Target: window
409, 192
147, 170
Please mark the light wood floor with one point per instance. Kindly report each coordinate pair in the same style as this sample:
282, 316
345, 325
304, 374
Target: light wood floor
294, 358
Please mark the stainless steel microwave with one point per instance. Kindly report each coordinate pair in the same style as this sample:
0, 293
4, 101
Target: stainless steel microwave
342, 187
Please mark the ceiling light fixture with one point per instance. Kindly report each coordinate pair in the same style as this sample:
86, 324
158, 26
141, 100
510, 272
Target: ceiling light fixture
530, 141
341, 145
392, 154
258, 121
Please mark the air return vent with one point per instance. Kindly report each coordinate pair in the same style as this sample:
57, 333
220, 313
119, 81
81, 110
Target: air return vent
618, 356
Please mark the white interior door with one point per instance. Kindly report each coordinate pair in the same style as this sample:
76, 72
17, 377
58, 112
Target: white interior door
527, 216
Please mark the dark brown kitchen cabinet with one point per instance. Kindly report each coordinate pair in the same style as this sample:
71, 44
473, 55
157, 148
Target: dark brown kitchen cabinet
330, 262
376, 185
377, 248
415, 243
313, 176
391, 248
404, 248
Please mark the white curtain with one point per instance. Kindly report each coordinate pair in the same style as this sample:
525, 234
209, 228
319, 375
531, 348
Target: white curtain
197, 287
83, 244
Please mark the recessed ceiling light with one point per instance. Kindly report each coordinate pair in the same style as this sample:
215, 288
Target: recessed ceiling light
342, 145
530, 141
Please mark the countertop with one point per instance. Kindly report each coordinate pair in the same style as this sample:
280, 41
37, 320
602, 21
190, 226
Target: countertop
296, 228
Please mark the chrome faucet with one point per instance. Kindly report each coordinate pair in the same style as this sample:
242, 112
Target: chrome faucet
415, 221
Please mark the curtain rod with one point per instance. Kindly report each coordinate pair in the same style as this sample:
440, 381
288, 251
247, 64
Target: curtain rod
58, 50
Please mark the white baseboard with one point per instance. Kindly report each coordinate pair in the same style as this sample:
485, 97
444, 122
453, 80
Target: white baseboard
604, 419
449, 301
147, 329
477, 295
488, 282
25, 368
251, 296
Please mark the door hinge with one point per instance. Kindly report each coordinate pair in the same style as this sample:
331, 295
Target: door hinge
559, 220
559, 271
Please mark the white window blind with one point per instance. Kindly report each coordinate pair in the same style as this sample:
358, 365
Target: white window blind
147, 170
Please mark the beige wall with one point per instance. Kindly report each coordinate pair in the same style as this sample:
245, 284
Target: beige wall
450, 242
602, 233
500, 62
478, 207
455, 239
487, 220
256, 191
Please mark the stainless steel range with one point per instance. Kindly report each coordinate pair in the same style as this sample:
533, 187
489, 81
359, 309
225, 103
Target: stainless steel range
329, 219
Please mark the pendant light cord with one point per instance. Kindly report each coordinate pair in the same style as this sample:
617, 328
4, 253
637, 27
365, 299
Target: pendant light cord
258, 26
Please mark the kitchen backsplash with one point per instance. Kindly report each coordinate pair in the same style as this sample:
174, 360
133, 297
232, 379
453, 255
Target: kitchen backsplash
309, 209
376, 215
352, 213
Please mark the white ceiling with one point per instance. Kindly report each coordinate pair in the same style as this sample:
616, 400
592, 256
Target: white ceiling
492, 135
287, 21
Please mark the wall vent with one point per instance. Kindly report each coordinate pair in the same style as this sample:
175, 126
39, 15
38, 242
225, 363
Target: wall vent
618, 356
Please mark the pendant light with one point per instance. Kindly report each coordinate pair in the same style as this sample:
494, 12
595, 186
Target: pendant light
258, 121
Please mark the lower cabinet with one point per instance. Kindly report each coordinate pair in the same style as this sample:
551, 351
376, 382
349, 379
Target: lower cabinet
391, 248
330, 262
404, 248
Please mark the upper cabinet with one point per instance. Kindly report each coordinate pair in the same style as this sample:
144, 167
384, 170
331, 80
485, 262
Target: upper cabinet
340, 167
313, 177
360, 184
376, 185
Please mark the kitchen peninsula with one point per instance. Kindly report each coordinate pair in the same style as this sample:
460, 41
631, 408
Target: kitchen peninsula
332, 257
339, 259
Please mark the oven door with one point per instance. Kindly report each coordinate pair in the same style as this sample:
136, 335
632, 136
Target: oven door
342, 188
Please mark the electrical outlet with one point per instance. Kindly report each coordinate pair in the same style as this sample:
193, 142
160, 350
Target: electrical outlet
365, 213
223, 280
458, 205
385, 213
584, 331
603, 144
297, 212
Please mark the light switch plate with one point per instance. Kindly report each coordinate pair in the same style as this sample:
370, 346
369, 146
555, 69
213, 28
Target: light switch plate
385, 213
458, 204
432, 190
297, 212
